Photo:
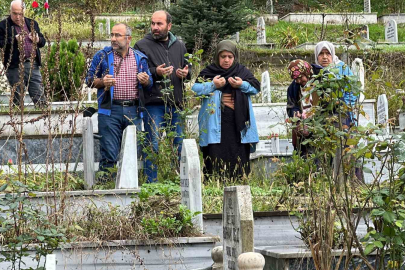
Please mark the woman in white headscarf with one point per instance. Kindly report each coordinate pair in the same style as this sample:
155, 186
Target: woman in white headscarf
325, 56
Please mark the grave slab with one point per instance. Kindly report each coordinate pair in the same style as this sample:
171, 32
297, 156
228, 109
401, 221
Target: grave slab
190, 180
391, 31
127, 175
237, 224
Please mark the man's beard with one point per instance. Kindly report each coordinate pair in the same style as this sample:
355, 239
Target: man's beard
161, 36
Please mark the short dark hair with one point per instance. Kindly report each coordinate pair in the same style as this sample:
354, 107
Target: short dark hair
168, 17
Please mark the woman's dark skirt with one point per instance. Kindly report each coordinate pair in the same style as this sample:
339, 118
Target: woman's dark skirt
230, 158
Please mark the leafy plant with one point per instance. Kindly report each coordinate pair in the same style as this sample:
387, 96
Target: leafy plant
71, 66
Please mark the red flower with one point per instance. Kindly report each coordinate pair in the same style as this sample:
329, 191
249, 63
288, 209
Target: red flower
46, 5
10, 162
35, 4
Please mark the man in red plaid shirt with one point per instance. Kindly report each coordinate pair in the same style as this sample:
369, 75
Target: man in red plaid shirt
120, 74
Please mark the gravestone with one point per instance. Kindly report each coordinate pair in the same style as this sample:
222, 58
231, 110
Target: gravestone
167, 4
101, 28
391, 31
261, 31
127, 175
50, 262
107, 27
382, 112
365, 33
237, 218
269, 6
190, 180
367, 6
88, 152
237, 37
265, 87
358, 70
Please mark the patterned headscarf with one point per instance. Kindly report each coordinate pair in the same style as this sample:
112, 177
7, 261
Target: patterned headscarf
298, 68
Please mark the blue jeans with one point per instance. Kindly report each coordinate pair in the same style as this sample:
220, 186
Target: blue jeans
111, 129
154, 120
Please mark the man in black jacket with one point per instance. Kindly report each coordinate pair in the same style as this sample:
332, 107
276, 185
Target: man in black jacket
21, 39
169, 70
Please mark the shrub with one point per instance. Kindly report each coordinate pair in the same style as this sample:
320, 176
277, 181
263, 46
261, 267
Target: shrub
71, 65
207, 19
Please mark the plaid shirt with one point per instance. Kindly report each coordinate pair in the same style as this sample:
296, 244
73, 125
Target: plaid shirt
27, 42
125, 73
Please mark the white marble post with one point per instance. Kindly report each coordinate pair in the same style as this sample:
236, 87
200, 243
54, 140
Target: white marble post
261, 31
101, 29
190, 180
107, 27
365, 33
391, 31
382, 112
265, 87
269, 6
358, 70
127, 176
367, 6
88, 152
251, 261
237, 222
50, 262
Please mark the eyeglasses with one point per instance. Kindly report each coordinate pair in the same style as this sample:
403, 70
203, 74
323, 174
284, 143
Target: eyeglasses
117, 35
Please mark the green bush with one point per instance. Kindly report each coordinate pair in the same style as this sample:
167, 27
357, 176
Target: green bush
204, 20
65, 78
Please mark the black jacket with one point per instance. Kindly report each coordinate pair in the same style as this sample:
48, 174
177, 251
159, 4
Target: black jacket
8, 41
157, 54
294, 94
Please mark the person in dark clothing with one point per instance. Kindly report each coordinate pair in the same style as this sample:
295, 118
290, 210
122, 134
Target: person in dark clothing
169, 69
227, 125
17, 32
301, 72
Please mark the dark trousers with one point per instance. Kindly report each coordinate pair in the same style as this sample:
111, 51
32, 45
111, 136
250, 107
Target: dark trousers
111, 129
32, 81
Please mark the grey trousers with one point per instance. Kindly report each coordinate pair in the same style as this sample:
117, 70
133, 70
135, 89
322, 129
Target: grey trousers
32, 80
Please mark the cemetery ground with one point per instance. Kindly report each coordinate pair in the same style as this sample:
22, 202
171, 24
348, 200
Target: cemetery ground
328, 205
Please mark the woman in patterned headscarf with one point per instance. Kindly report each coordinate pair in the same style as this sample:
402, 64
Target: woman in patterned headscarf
301, 72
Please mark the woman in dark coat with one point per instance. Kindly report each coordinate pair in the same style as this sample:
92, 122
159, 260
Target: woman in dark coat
226, 120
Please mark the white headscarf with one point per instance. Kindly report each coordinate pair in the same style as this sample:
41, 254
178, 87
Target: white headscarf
329, 46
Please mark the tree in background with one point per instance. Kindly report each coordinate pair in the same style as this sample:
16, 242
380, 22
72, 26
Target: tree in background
206, 19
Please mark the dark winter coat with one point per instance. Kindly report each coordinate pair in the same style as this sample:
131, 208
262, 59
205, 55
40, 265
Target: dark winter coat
157, 54
8, 41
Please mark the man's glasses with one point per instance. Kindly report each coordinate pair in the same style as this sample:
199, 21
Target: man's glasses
117, 35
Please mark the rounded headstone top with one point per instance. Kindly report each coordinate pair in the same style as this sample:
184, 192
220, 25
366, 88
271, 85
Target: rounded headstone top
251, 261
217, 254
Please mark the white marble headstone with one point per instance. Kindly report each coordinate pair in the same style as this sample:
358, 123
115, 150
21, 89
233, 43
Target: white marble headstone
367, 6
365, 33
190, 180
269, 6
382, 111
127, 176
261, 31
265, 87
50, 262
101, 28
237, 221
237, 37
358, 70
88, 152
391, 31
167, 4
107, 27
